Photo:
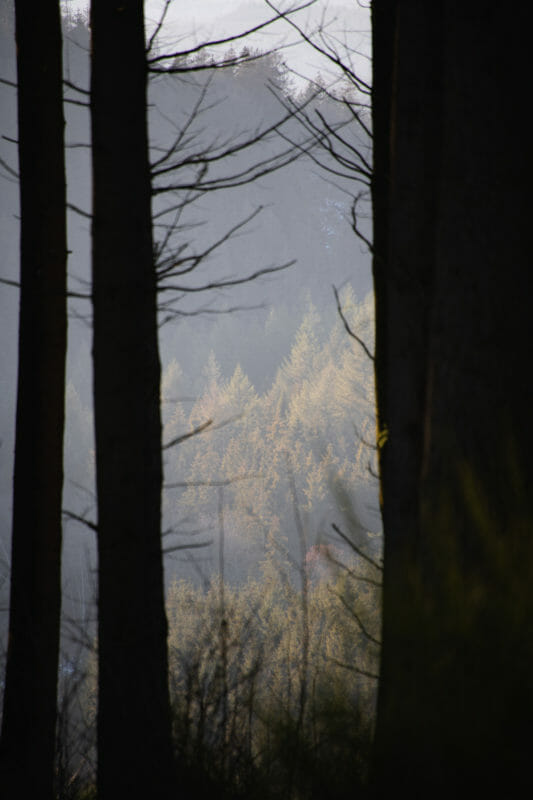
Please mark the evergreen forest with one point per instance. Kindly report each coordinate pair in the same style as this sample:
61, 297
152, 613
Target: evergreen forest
266, 488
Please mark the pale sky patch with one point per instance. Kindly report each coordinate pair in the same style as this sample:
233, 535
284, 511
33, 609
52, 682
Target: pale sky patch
189, 22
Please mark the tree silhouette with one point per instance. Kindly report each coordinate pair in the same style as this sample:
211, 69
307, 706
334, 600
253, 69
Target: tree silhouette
30, 699
453, 329
133, 700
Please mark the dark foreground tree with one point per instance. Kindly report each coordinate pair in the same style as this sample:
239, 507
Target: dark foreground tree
30, 699
454, 324
134, 734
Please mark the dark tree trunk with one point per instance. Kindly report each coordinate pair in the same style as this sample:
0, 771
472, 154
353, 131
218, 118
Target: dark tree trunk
406, 107
30, 698
454, 392
134, 740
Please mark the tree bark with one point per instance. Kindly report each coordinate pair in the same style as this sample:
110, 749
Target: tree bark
454, 332
134, 736
30, 697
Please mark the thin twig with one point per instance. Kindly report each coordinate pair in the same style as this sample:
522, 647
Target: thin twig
348, 329
355, 548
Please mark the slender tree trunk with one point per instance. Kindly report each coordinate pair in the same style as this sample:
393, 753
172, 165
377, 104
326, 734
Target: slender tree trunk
30, 698
134, 739
454, 331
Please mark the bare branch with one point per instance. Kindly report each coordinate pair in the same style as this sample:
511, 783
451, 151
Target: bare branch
352, 165
325, 50
79, 211
172, 313
158, 27
200, 429
353, 668
373, 472
355, 227
8, 282
190, 546
348, 329
356, 617
230, 282
9, 169
80, 518
164, 269
228, 39
219, 483
188, 435
181, 132
76, 88
355, 548
356, 170
203, 158
72, 102
76, 295
354, 575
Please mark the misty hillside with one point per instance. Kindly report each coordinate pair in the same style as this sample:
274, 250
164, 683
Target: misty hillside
251, 235
229, 352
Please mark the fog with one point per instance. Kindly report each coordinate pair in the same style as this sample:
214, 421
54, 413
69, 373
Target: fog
269, 362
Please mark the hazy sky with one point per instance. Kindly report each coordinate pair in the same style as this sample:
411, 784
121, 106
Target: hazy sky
189, 22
